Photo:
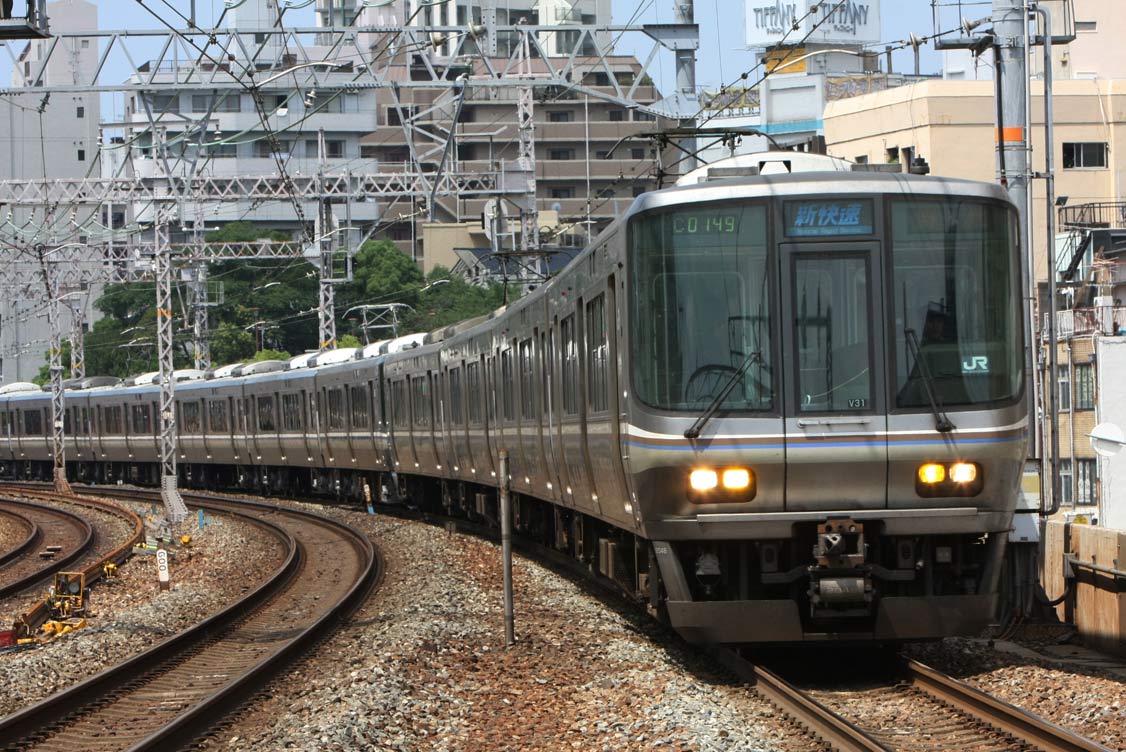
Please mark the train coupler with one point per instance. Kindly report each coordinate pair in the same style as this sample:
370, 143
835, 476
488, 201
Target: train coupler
840, 582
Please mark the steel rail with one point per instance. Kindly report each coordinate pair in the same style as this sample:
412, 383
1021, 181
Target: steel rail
28, 725
20, 548
817, 719
85, 539
93, 571
1020, 724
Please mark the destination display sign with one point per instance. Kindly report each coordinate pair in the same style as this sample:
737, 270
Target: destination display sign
742, 226
806, 219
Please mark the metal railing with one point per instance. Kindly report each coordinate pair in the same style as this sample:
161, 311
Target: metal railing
1102, 215
1108, 320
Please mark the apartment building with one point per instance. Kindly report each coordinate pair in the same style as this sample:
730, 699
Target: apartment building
52, 137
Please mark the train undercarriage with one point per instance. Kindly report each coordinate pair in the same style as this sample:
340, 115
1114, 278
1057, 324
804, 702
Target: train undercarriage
837, 579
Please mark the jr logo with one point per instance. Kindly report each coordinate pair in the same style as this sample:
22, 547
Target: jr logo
975, 364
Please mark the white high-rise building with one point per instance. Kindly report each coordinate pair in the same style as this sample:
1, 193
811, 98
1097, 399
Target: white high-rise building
53, 137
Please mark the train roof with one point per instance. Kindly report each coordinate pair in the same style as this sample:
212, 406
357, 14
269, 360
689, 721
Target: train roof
818, 183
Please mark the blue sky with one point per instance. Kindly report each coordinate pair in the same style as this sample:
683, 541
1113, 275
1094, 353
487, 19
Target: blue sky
722, 56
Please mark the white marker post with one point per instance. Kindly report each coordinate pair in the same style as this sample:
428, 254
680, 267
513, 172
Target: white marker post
162, 569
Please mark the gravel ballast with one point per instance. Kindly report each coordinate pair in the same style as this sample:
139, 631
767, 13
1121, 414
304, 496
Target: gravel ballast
422, 666
13, 532
129, 613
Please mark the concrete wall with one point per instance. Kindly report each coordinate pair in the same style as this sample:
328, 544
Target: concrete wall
1112, 409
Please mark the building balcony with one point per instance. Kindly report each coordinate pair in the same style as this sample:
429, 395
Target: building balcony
1106, 320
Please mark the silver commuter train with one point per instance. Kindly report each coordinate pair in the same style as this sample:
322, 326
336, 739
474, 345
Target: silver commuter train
775, 408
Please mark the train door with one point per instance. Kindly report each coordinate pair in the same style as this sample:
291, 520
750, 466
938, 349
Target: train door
836, 419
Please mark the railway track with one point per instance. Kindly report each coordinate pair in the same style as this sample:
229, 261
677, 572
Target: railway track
102, 542
176, 690
920, 711
60, 530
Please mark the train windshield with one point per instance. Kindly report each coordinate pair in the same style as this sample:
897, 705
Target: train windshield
956, 293
700, 307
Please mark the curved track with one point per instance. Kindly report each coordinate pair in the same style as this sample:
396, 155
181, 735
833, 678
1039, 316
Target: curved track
922, 710
50, 527
22, 522
176, 690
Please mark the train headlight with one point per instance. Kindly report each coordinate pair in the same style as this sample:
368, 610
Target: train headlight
931, 473
949, 479
736, 479
963, 472
703, 479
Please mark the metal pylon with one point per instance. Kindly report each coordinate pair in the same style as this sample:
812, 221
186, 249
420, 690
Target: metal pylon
326, 310
201, 328
174, 508
55, 367
525, 112
77, 336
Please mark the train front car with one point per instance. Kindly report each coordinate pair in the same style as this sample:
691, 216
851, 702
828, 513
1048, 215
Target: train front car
826, 422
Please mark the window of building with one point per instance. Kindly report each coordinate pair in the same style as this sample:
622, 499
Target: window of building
1084, 156
563, 192
219, 150
85, 44
1086, 481
561, 116
643, 117
861, 159
638, 189
606, 193
601, 154
1087, 26
1084, 387
560, 154
597, 349
1066, 496
81, 155
1065, 390
637, 153
80, 111
617, 116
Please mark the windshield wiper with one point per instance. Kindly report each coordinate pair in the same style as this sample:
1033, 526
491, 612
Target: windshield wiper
693, 431
942, 422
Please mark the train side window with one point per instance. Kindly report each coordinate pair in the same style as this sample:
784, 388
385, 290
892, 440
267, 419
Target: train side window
68, 420
336, 408
420, 397
32, 423
400, 416
112, 419
190, 416
527, 381
457, 417
508, 386
84, 426
570, 366
473, 392
266, 421
291, 412
141, 422
360, 417
597, 352
217, 416
490, 391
